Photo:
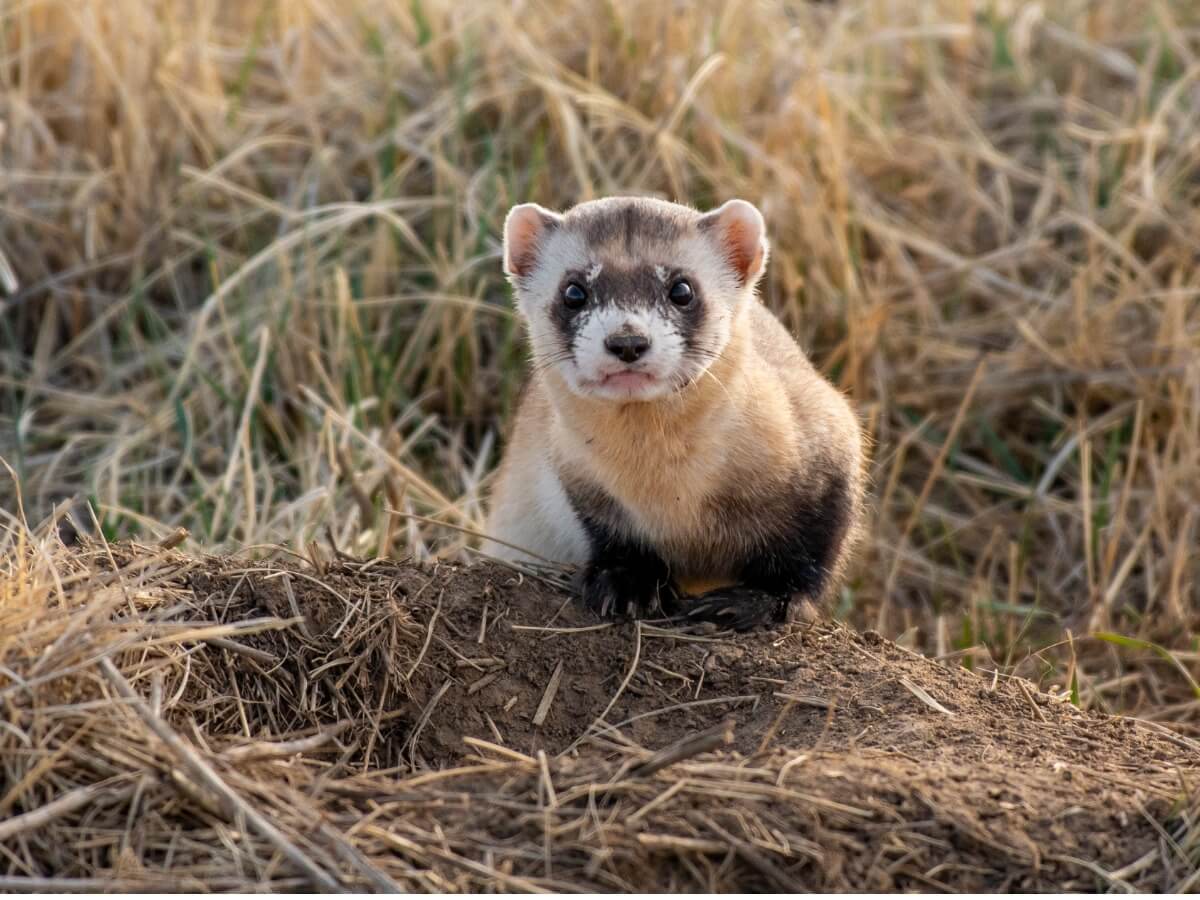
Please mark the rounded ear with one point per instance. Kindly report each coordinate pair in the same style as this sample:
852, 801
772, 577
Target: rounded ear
525, 229
738, 230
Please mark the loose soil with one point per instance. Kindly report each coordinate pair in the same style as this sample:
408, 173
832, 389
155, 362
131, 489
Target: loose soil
447, 727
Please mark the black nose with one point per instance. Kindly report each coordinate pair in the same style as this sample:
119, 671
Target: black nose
627, 347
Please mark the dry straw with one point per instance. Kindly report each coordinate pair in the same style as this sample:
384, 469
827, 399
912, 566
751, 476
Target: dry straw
164, 730
249, 286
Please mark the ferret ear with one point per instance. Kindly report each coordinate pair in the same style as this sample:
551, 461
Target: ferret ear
738, 230
525, 230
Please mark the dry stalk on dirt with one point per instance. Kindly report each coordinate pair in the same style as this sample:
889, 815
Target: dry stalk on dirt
168, 724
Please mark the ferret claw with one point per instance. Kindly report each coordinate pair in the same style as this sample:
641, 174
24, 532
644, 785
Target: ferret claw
617, 592
739, 608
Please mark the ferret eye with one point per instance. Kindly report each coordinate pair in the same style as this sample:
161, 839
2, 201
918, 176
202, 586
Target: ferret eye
574, 296
681, 293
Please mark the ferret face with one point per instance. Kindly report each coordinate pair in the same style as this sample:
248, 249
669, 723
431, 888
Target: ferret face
632, 299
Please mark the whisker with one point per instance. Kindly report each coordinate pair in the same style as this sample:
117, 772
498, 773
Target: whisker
541, 364
720, 383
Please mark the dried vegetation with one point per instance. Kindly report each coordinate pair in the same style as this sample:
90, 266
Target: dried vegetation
169, 722
249, 287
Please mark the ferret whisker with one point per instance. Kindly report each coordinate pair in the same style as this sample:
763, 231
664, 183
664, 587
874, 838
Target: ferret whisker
540, 365
709, 373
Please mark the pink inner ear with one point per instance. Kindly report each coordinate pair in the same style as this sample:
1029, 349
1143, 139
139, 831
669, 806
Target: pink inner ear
743, 246
524, 244
737, 229
523, 232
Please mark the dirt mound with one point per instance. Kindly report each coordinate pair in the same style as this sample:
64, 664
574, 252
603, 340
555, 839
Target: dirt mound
382, 725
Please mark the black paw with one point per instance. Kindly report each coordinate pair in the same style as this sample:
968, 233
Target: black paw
739, 608
626, 592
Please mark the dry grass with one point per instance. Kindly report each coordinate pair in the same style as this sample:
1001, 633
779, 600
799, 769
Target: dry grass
163, 730
250, 258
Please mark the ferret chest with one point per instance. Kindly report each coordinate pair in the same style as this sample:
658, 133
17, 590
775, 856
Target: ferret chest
655, 489
693, 484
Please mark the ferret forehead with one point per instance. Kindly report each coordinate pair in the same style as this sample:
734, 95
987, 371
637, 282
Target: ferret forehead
564, 251
628, 230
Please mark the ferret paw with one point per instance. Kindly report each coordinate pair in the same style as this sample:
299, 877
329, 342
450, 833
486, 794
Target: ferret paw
739, 608
621, 592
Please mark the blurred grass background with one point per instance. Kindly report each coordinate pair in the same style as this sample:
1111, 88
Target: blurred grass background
250, 282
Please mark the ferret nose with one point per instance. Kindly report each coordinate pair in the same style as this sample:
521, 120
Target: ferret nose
627, 347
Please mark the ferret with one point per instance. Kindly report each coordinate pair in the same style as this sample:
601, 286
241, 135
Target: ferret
673, 441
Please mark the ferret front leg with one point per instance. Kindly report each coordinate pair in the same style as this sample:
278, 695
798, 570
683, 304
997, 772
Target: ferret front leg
796, 564
627, 581
740, 607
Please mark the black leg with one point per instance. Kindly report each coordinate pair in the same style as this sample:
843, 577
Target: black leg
739, 607
625, 578
796, 563
627, 585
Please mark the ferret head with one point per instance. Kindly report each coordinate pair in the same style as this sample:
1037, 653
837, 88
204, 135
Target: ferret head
632, 299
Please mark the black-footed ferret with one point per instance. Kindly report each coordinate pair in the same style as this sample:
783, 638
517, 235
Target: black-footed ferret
673, 437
